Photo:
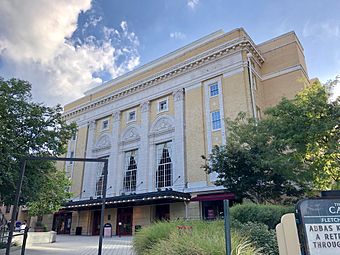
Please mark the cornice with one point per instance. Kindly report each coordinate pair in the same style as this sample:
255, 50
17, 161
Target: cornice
243, 43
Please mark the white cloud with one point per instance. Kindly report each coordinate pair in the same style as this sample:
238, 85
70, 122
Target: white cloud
192, 3
325, 29
177, 35
34, 46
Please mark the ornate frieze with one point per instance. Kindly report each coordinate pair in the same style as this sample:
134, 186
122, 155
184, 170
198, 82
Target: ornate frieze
230, 47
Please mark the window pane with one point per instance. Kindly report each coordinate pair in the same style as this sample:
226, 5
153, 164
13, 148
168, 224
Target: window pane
214, 90
164, 165
132, 116
163, 105
130, 176
216, 120
105, 124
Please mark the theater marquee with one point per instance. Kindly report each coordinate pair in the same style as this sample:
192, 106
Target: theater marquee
320, 225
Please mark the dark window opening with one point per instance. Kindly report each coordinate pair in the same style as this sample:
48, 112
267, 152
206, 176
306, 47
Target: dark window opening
162, 212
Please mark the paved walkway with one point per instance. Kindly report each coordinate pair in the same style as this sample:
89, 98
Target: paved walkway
81, 245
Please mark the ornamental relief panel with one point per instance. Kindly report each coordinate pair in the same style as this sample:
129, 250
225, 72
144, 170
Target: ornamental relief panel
103, 143
130, 135
163, 124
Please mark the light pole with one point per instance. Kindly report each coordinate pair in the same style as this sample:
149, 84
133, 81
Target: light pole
19, 186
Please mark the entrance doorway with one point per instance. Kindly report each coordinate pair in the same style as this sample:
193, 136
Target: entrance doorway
96, 223
124, 221
62, 223
212, 210
162, 212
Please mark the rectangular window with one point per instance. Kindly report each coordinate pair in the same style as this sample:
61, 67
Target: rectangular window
164, 165
163, 105
254, 82
100, 179
8, 209
105, 124
131, 116
216, 120
214, 90
130, 176
73, 137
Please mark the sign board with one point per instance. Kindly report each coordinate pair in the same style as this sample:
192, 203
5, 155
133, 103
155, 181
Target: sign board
320, 225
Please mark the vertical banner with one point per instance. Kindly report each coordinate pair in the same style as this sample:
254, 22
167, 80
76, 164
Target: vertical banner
320, 225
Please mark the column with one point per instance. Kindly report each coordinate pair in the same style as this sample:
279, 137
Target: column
113, 158
89, 184
143, 152
178, 146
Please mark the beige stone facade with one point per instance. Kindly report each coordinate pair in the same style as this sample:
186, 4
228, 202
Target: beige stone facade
153, 124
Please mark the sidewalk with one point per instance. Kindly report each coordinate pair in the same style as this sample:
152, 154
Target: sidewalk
81, 245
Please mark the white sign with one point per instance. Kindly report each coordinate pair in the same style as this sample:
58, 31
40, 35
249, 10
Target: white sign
321, 221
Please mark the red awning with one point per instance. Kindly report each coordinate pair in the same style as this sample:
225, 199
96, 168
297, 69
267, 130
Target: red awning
213, 197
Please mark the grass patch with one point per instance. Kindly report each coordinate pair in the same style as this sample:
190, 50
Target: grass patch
205, 238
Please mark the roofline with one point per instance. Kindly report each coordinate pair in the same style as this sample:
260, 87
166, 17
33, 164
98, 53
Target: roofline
157, 61
280, 36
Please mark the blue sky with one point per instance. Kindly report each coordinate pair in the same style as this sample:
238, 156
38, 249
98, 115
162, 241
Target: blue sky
66, 47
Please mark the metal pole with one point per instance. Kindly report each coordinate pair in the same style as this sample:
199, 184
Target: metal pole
227, 227
23, 247
16, 204
100, 246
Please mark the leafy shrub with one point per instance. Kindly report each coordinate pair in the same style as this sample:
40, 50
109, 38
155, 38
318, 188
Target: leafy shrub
205, 238
147, 237
259, 234
269, 215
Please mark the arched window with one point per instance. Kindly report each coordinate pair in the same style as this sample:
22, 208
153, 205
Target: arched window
130, 177
164, 165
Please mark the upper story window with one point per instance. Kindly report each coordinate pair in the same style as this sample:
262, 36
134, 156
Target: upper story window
164, 165
105, 124
130, 176
163, 105
214, 90
216, 120
131, 116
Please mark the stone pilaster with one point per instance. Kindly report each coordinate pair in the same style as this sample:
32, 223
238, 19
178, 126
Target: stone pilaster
114, 171
89, 184
179, 143
143, 152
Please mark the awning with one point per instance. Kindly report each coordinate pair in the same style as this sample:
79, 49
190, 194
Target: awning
158, 197
214, 197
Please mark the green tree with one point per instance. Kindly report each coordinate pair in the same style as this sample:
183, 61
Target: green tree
307, 130
294, 149
245, 165
28, 129
51, 195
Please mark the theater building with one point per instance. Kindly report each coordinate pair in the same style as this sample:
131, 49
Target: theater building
154, 123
